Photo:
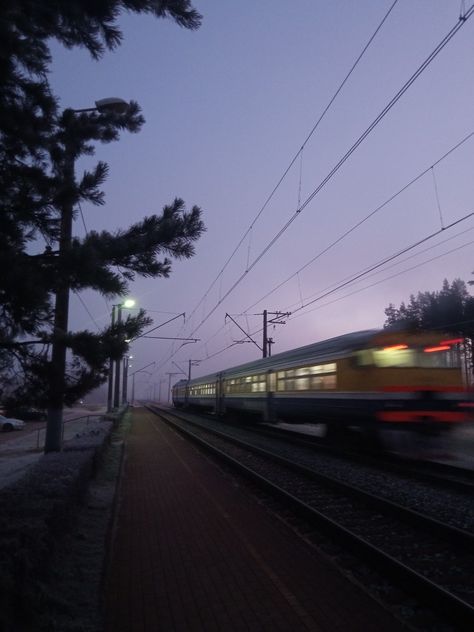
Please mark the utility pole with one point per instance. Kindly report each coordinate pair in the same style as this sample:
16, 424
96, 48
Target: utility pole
265, 339
250, 339
118, 362
57, 383
276, 320
110, 389
125, 379
68, 194
270, 342
192, 363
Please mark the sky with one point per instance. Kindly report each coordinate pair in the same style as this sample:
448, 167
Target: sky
229, 110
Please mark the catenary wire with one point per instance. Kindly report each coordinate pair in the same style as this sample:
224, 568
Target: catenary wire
391, 258
359, 277
425, 64
363, 220
389, 267
460, 23
295, 315
295, 157
388, 278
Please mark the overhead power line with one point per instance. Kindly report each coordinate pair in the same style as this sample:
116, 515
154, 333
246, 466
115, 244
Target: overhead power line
385, 261
363, 220
297, 312
460, 23
388, 278
384, 269
295, 157
364, 135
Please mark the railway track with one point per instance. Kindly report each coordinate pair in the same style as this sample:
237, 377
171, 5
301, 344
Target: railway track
429, 558
441, 474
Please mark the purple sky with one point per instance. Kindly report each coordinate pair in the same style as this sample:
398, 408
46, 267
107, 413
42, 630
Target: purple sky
227, 109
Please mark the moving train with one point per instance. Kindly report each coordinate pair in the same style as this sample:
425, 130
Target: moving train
365, 380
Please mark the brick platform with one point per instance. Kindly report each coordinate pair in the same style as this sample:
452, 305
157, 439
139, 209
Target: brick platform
192, 552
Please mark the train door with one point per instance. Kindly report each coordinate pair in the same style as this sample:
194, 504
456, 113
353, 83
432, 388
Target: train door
269, 412
219, 405
186, 394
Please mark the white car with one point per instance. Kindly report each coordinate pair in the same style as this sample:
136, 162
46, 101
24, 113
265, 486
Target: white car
8, 423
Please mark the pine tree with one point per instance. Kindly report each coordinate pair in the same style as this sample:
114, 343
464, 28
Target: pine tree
450, 310
38, 146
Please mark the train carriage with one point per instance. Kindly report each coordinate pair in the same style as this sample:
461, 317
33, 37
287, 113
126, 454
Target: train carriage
370, 379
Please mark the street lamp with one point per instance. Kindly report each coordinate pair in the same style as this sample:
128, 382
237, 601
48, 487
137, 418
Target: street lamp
110, 391
126, 365
110, 104
57, 383
127, 304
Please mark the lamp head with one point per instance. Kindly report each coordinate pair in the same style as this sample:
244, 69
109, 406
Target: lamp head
112, 104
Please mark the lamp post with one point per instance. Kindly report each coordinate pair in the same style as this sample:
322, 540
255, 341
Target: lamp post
127, 305
112, 396
126, 365
57, 382
110, 389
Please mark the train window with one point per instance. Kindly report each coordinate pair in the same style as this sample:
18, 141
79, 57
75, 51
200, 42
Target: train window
246, 384
364, 357
328, 381
272, 383
443, 357
330, 367
305, 370
394, 357
202, 389
287, 381
316, 369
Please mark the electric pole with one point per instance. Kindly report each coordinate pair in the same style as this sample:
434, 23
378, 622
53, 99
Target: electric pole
276, 320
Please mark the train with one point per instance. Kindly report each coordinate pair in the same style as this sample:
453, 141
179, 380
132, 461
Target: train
366, 380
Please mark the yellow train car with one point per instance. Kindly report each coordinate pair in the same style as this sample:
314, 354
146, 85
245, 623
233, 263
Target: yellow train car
366, 379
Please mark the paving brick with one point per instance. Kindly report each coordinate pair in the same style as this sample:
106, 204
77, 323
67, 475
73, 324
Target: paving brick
191, 552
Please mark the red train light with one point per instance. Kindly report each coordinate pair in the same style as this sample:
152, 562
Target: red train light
439, 348
395, 347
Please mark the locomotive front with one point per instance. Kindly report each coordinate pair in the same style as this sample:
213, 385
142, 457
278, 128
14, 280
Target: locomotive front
420, 380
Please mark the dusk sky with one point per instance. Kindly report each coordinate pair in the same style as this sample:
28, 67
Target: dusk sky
227, 109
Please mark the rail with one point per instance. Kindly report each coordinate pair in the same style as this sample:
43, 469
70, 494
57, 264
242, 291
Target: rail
362, 526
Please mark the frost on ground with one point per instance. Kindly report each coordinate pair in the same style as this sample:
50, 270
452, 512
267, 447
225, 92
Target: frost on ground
73, 590
54, 533
12, 468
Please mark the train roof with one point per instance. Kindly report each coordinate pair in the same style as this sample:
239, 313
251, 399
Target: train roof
325, 350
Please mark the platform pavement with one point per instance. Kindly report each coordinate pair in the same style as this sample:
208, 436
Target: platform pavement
193, 552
